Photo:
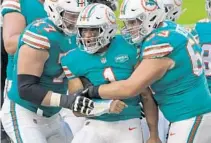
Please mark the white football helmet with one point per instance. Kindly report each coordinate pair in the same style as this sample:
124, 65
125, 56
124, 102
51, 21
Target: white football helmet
101, 21
64, 13
173, 8
208, 8
113, 4
146, 14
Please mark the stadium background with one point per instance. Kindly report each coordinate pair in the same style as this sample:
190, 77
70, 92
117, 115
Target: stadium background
195, 10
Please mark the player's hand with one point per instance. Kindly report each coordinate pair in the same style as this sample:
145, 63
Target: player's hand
83, 105
90, 92
154, 140
117, 106
77, 103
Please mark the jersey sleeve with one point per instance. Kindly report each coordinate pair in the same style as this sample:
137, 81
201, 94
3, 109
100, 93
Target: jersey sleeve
157, 45
67, 65
36, 37
9, 6
193, 32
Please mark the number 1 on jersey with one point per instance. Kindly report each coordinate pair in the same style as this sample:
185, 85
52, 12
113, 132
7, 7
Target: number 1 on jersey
109, 74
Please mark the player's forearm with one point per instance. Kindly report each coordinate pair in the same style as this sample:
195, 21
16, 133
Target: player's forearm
75, 85
117, 90
151, 113
29, 89
11, 43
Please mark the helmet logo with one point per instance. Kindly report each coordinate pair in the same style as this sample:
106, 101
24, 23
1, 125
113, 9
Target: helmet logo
149, 5
110, 16
178, 2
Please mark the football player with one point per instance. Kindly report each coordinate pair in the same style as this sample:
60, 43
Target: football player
203, 33
39, 86
173, 8
171, 64
17, 15
107, 58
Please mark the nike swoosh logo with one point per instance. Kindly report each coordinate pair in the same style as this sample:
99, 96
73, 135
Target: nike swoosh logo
130, 129
171, 134
98, 17
133, 9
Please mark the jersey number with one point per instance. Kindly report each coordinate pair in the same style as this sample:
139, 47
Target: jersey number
109, 74
207, 59
195, 57
50, 28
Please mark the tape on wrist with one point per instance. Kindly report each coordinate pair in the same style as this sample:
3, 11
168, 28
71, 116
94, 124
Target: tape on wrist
55, 99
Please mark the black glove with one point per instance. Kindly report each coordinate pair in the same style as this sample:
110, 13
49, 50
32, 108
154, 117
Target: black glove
113, 4
86, 83
77, 103
91, 92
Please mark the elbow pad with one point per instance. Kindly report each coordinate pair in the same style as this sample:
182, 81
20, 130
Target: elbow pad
29, 88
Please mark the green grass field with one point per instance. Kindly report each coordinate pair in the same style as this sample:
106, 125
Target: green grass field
195, 11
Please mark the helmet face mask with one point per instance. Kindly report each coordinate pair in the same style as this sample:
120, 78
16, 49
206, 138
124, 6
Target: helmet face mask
64, 13
69, 22
96, 26
132, 31
208, 8
89, 39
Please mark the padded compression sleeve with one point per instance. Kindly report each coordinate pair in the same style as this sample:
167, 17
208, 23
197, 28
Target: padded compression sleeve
29, 88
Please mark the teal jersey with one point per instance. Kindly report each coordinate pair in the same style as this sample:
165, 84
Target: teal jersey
182, 92
117, 63
203, 29
31, 10
44, 35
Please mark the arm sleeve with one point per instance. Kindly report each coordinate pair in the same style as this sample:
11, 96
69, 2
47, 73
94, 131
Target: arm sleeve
36, 37
9, 6
157, 46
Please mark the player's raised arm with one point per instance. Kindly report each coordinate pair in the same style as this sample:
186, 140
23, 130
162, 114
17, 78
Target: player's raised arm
13, 23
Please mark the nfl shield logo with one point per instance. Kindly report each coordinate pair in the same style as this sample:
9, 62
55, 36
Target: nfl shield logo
103, 60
